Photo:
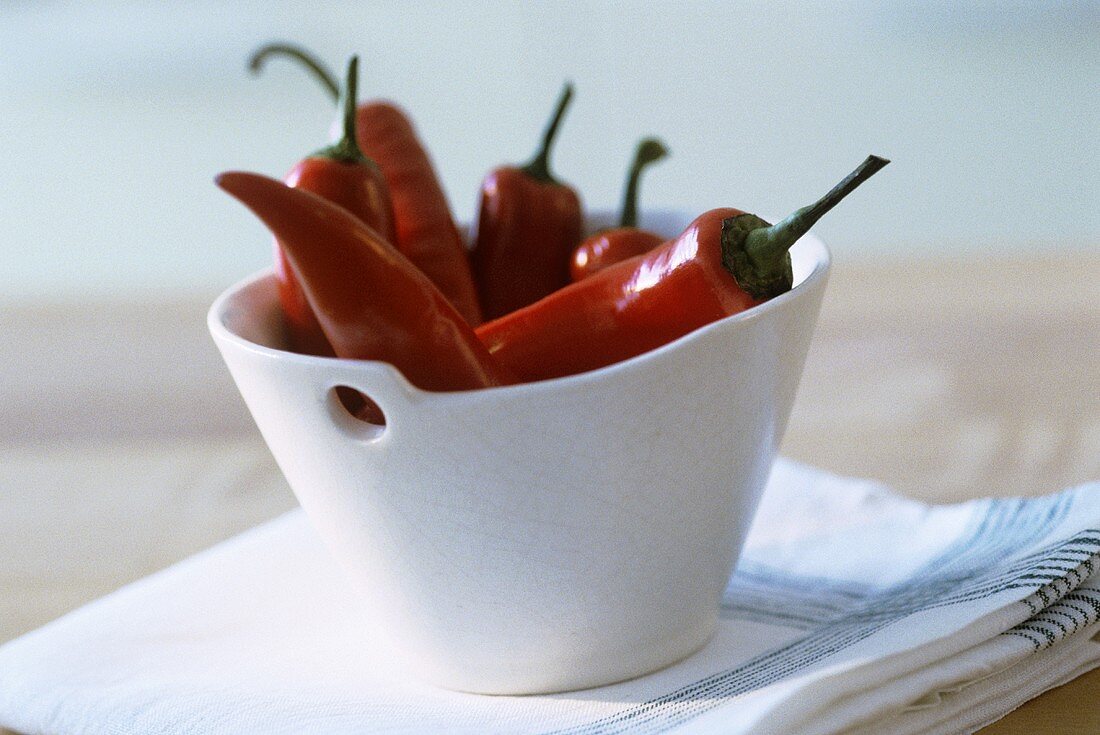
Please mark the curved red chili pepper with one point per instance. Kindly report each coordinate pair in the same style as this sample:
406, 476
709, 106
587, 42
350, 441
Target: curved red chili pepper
527, 227
424, 229
625, 241
371, 302
343, 175
726, 261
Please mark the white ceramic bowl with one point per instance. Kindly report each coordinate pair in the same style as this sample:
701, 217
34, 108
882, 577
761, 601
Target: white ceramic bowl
540, 537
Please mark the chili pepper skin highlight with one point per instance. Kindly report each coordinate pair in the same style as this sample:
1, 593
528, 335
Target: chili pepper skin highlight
527, 227
726, 261
625, 241
371, 302
343, 175
424, 230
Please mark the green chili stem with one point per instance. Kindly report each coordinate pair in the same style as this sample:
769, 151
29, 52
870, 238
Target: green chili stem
539, 167
649, 151
756, 253
308, 60
766, 245
346, 150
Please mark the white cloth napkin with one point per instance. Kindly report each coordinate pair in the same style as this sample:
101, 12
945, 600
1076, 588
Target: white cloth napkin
853, 609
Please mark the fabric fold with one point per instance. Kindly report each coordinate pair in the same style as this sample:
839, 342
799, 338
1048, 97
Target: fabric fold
852, 610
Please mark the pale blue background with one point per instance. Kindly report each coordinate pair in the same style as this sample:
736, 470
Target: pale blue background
116, 115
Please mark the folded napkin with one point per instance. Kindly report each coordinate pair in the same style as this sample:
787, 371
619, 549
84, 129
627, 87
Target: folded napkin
853, 609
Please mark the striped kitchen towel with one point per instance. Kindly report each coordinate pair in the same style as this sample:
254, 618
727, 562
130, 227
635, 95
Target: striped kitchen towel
852, 610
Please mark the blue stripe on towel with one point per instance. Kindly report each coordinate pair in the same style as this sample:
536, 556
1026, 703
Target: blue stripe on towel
985, 560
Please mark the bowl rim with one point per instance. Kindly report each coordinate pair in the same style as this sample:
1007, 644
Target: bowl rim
809, 245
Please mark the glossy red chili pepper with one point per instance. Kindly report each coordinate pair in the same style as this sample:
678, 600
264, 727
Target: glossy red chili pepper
726, 261
425, 231
527, 227
343, 175
371, 302
608, 247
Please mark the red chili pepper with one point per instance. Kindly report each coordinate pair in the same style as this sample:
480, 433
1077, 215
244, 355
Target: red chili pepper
527, 227
425, 231
625, 241
726, 261
343, 175
370, 300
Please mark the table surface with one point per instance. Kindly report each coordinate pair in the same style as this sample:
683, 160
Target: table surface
945, 379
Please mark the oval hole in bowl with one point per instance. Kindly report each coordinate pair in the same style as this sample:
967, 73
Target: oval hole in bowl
357, 413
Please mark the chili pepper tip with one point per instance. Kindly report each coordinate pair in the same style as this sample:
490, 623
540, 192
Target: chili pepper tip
234, 182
